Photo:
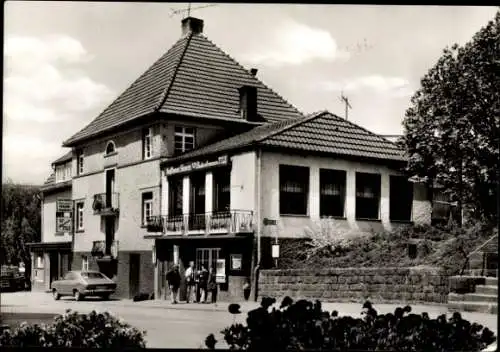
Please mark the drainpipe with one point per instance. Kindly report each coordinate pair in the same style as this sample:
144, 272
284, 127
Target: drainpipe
258, 222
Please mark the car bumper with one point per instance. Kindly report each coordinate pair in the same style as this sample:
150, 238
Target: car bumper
98, 292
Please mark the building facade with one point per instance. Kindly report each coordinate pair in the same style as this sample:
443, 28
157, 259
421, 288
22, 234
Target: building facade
51, 258
198, 160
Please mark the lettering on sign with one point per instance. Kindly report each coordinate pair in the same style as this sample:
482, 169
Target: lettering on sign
64, 205
64, 224
197, 165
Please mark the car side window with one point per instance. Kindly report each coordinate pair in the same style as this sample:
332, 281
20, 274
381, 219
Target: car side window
69, 276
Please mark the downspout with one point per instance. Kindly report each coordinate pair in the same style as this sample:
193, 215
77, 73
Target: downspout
258, 222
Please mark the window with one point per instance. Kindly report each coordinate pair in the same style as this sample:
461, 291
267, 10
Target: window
147, 151
79, 163
400, 198
294, 190
332, 192
207, 257
367, 196
110, 148
175, 188
221, 190
79, 216
85, 263
63, 172
39, 261
183, 139
147, 206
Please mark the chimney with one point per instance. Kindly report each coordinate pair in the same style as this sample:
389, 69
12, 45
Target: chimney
248, 103
191, 24
253, 71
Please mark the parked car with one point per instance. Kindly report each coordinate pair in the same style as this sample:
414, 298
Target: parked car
81, 284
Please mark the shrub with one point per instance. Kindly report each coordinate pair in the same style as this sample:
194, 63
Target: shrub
304, 325
94, 330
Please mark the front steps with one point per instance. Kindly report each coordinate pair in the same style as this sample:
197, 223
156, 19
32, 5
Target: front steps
484, 299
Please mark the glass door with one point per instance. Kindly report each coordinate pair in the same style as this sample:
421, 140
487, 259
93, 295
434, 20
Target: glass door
207, 257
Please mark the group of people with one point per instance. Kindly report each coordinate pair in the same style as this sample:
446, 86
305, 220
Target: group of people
198, 284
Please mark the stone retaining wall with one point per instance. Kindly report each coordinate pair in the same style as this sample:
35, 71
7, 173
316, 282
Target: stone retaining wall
379, 285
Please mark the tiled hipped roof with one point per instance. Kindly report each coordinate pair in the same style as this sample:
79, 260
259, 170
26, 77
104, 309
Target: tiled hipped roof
66, 157
321, 132
194, 78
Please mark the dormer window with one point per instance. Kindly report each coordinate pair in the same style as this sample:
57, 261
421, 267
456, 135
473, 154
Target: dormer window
248, 103
110, 148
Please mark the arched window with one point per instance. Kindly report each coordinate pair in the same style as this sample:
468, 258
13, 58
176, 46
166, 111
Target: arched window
110, 148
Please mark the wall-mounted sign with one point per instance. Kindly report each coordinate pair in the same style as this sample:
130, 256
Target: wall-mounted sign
236, 261
64, 205
220, 271
276, 250
64, 225
64, 216
197, 165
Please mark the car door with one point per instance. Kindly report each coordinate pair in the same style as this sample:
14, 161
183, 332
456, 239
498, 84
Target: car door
67, 283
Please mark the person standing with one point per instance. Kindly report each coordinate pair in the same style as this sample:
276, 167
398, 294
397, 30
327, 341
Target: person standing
174, 281
212, 285
190, 281
203, 283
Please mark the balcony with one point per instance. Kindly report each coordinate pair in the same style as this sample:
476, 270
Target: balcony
106, 204
234, 221
101, 249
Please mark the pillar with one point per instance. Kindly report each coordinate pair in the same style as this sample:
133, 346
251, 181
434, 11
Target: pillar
314, 189
350, 196
164, 194
209, 182
186, 189
384, 199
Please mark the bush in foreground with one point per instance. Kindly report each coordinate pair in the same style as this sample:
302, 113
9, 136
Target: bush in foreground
303, 325
94, 330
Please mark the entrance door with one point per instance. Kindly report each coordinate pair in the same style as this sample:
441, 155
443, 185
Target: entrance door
197, 202
110, 187
207, 257
54, 266
110, 233
134, 277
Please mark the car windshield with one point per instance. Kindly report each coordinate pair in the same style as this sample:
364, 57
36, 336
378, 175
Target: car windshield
92, 276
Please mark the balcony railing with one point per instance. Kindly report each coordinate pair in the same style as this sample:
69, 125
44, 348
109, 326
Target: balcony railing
106, 204
102, 249
234, 221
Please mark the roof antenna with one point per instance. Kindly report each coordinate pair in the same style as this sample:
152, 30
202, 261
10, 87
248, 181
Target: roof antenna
187, 10
348, 106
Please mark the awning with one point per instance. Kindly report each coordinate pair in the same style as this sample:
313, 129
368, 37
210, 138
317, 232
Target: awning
50, 246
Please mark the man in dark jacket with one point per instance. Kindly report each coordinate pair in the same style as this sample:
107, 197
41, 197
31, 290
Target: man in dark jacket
174, 281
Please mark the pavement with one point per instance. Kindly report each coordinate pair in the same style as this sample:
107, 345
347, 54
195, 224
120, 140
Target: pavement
187, 325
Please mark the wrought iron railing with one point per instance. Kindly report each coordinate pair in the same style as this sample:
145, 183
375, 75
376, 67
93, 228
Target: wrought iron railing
233, 221
106, 203
103, 248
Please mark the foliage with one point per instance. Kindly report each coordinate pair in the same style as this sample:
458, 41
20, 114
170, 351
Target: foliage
21, 222
304, 325
94, 330
445, 247
452, 128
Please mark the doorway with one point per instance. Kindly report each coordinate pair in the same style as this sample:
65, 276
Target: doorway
207, 257
54, 267
110, 187
134, 274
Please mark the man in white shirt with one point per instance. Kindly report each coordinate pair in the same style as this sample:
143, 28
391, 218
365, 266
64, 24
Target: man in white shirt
190, 281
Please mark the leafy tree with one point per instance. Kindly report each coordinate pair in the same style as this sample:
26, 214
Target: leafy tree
452, 128
21, 222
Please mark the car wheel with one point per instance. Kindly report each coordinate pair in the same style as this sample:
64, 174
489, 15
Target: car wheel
78, 296
55, 294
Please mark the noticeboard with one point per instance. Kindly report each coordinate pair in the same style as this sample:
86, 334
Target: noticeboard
236, 261
220, 272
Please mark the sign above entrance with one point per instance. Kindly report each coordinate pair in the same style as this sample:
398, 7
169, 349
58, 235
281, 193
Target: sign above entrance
197, 165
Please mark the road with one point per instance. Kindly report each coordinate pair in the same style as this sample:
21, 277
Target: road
186, 325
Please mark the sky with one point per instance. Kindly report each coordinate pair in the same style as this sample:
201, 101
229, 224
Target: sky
65, 62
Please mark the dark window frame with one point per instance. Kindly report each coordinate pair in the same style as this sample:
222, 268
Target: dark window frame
175, 195
182, 133
368, 196
332, 192
146, 198
400, 199
294, 190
